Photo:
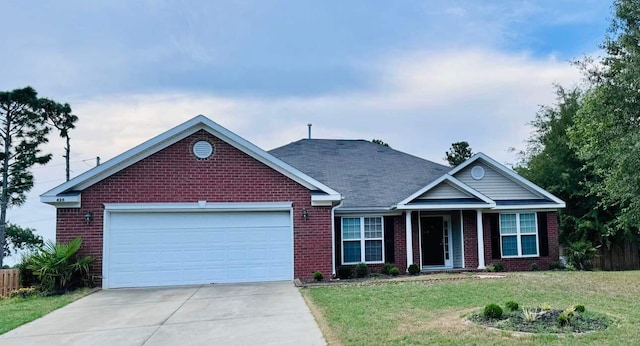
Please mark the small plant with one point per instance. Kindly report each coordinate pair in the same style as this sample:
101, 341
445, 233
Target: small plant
545, 307
492, 311
529, 315
556, 265
534, 267
579, 308
345, 272
394, 271
386, 268
24, 292
317, 275
512, 306
495, 267
361, 270
581, 254
413, 269
564, 319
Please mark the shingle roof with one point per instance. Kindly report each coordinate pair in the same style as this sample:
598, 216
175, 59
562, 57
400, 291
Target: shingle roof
366, 174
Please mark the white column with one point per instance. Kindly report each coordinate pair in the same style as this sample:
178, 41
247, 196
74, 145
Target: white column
480, 240
409, 237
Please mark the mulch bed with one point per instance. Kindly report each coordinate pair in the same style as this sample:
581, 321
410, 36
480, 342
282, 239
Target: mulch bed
546, 322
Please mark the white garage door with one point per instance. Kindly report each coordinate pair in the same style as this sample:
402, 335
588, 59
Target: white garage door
181, 248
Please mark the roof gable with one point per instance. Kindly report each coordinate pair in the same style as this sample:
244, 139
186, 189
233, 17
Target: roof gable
500, 182
445, 190
176, 134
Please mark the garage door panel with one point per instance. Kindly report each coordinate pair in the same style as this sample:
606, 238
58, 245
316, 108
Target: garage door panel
156, 249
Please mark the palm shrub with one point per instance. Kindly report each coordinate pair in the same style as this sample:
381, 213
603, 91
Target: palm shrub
580, 254
58, 266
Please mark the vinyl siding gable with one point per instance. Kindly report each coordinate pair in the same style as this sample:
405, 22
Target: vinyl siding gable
494, 184
444, 191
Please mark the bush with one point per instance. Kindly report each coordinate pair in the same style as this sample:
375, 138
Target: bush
492, 311
386, 268
534, 267
394, 271
580, 254
59, 268
512, 306
345, 272
27, 279
564, 319
579, 308
361, 270
24, 292
495, 267
317, 275
556, 265
413, 269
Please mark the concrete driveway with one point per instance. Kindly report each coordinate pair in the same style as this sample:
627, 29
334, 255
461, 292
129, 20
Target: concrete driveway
239, 314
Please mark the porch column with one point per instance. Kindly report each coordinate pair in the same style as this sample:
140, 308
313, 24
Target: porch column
409, 237
480, 239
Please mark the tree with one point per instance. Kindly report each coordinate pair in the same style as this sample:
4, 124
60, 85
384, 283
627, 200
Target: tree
19, 238
380, 141
550, 162
60, 117
606, 134
459, 153
23, 129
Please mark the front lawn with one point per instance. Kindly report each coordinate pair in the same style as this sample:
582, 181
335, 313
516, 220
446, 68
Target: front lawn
15, 312
432, 312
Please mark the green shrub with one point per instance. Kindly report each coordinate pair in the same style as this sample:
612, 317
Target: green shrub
580, 254
361, 270
556, 265
413, 269
58, 266
386, 268
545, 307
564, 319
492, 311
512, 306
495, 267
27, 279
317, 275
394, 271
345, 272
579, 308
24, 292
534, 267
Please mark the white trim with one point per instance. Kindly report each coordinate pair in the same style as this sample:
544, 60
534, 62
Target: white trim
480, 231
362, 239
462, 236
528, 207
457, 184
106, 221
196, 206
408, 238
63, 201
333, 237
511, 174
176, 134
444, 206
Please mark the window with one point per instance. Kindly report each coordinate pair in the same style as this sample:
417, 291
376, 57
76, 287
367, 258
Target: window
362, 239
519, 235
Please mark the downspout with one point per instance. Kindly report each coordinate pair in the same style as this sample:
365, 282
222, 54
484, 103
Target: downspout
333, 237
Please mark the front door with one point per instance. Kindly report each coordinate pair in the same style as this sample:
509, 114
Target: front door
432, 229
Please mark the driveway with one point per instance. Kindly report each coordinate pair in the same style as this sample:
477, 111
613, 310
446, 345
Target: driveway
239, 314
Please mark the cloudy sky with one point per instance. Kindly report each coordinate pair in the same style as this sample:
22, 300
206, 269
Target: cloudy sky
417, 74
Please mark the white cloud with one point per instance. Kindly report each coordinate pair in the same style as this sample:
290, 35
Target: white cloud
421, 103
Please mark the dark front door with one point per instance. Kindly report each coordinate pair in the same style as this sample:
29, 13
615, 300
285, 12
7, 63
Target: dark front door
432, 229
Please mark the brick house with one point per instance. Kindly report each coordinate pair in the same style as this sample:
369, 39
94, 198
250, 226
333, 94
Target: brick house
199, 204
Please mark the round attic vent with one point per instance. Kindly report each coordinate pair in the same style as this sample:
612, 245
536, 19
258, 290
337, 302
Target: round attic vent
202, 149
477, 172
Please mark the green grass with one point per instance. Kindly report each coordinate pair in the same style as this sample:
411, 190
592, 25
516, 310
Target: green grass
15, 312
424, 312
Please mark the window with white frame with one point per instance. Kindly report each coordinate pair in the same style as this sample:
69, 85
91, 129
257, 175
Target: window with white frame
362, 239
519, 235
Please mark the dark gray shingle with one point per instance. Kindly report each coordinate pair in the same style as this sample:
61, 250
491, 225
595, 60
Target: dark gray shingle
366, 174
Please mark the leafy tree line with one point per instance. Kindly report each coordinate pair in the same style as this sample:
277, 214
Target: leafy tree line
26, 121
586, 147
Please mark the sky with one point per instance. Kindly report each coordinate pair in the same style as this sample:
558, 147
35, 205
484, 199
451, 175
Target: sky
419, 75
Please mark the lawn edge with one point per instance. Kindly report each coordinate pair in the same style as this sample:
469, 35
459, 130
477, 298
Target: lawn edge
330, 335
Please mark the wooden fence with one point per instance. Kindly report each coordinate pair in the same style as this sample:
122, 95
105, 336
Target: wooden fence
618, 257
9, 281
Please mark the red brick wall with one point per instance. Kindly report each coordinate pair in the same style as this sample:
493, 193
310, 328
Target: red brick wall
522, 264
174, 174
470, 234
400, 242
